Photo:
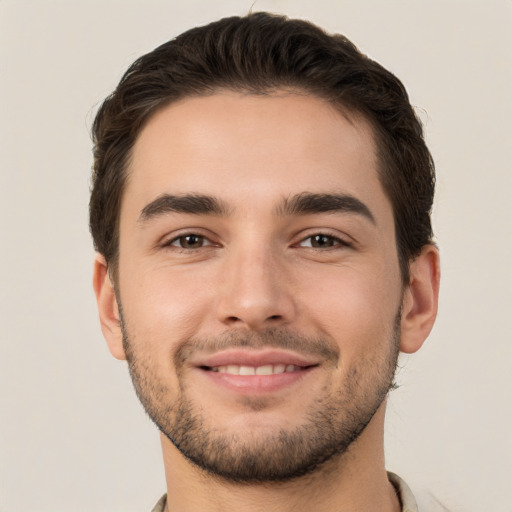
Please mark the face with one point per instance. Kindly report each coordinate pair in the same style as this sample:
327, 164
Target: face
259, 287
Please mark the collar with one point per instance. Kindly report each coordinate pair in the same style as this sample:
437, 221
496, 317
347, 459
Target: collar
403, 492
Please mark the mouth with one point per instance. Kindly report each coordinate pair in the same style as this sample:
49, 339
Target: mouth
268, 369
255, 372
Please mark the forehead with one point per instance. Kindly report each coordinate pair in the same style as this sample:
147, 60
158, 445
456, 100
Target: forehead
242, 147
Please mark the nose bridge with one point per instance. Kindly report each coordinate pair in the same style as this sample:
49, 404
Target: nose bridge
255, 291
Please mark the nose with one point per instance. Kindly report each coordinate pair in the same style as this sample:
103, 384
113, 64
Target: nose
255, 291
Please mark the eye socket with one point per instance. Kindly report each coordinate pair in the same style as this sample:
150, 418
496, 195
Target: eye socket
190, 241
322, 241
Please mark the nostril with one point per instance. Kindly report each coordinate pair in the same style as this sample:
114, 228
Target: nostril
254, 321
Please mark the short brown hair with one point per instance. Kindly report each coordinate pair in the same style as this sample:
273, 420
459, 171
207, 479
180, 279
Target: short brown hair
261, 53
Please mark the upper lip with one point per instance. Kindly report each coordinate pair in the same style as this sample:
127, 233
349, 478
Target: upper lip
255, 358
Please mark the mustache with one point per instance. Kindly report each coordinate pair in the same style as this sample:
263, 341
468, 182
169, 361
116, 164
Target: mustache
270, 338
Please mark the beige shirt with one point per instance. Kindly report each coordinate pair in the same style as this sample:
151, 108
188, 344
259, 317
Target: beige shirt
404, 494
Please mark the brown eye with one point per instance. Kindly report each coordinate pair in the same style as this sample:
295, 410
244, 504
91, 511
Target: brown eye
189, 242
322, 241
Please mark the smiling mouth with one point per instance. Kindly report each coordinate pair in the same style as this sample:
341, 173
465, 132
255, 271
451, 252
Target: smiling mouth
246, 372
268, 369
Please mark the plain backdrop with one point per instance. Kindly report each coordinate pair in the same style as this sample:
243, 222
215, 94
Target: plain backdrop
73, 436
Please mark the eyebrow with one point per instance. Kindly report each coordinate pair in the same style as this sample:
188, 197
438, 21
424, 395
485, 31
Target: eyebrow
301, 204
195, 204
308, 203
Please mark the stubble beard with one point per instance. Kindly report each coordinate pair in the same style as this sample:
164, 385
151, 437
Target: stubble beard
331, 425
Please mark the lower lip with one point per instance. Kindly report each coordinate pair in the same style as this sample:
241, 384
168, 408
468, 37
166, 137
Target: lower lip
256, 384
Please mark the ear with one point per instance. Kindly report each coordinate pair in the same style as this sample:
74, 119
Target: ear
108, 308
419, 305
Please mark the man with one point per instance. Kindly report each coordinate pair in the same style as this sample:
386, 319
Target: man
261, 210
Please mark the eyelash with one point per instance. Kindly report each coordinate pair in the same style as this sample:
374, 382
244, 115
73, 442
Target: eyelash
179, 239
336, 242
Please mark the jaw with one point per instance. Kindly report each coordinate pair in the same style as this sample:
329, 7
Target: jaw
351, 480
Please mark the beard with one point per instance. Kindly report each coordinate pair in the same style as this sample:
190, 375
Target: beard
329, 428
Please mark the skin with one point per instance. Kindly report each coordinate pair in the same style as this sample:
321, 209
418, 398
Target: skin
257, 269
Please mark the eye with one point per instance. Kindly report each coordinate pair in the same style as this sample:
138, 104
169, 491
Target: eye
322, 241
189, 241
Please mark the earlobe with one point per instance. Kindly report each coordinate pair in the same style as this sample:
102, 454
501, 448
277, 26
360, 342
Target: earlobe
108, 308
419, 305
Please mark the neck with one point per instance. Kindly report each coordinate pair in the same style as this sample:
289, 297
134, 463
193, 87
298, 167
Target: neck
357, 480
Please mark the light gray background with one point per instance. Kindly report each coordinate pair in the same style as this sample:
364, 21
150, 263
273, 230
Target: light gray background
72, 434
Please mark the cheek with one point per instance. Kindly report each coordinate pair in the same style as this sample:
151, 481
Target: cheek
356, 308
164, 308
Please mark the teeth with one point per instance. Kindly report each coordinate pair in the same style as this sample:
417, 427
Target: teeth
267, 369
264, 370
247, 370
